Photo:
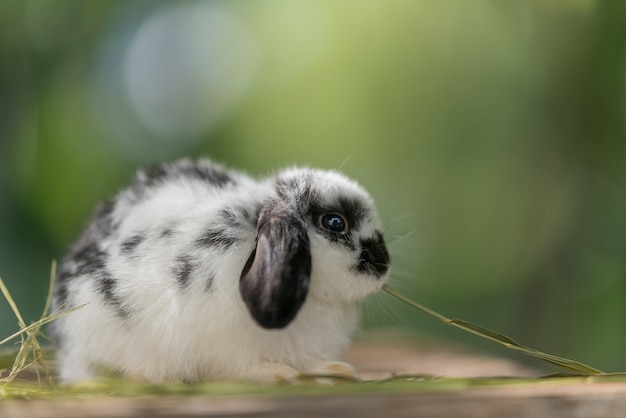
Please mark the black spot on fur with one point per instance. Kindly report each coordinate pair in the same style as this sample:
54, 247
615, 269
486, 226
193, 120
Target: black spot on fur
202, 170
103, 218
231, 218
88, 260
101, 224
296, 190
207, 172
183, 267
157, 174
146, 179
129, 245
168, 229
252, 214
210, 283
167, 232
60, 287
154, 174
86, 257
374, 258
216, 238
238, 216
107, 286
354, 210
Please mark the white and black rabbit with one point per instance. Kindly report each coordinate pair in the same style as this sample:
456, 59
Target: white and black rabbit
195, 272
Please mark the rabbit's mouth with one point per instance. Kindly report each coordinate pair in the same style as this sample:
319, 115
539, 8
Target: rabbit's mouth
374, 258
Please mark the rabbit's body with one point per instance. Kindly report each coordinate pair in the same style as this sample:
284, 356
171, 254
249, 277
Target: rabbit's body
197, 273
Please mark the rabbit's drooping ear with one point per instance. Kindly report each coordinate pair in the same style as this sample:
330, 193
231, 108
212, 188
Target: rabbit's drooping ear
275, 281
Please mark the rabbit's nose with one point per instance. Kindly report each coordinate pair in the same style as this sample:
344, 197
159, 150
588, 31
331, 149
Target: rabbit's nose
374, 258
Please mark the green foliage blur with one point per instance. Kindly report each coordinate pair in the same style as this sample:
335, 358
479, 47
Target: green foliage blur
492, 135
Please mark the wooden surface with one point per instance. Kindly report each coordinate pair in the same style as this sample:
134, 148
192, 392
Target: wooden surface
376, 358
585, 401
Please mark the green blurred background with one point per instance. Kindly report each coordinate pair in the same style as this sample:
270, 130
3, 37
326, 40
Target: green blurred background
492, 135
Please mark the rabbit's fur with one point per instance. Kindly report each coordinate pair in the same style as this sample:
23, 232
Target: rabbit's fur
196, 272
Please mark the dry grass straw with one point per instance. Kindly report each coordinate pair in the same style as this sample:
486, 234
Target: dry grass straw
30, 352
570, 365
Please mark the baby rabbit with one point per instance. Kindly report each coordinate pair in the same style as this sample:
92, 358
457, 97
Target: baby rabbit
196, 272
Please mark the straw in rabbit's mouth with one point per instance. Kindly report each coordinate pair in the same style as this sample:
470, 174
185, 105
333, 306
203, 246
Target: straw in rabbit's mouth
570, 365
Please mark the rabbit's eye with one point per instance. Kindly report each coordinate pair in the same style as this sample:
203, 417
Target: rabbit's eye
333, 222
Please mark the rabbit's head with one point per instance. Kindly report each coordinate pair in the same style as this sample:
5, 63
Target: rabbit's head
318, 237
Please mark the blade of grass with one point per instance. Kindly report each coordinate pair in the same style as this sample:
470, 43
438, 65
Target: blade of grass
565, 363
30, 351
43, 321
7, 296
38, 352
53, 276
19, 363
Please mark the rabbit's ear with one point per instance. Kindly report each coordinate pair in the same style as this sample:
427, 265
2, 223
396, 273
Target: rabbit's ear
275, 281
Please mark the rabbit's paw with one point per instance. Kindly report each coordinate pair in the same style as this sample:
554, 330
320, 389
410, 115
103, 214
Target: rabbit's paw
273, 373
333, 372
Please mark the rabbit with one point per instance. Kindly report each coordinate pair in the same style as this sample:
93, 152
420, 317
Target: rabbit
196, 272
